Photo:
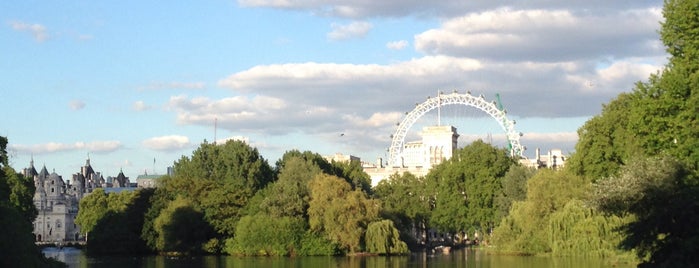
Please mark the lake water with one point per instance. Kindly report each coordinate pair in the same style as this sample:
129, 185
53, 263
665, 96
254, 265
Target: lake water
460, 258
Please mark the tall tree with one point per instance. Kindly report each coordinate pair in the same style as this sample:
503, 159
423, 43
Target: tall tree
339, 212
466, 187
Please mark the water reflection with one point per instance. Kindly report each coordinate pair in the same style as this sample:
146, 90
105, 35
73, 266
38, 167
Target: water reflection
461, 258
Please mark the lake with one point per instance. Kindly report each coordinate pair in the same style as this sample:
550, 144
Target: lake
459, 258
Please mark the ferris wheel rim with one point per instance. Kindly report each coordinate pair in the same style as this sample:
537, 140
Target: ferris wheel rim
454, 98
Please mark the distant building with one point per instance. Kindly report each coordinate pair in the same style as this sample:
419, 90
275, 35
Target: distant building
151, 181
437, 145
554, 159
341, 158
57, 201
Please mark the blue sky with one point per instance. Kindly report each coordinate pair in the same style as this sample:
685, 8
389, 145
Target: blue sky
131, 81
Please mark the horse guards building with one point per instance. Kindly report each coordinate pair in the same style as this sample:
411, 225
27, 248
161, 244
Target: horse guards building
57, 200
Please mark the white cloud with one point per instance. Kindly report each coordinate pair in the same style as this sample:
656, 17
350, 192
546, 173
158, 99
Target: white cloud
357, 29
397, 45
140, 106
53, 147
76, 105
167, 143
38, 31
545, 35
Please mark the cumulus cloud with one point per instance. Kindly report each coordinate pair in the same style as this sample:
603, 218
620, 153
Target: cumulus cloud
397, 45
53, 147
76, 105
357, 29
38, 31
545, 35
167, 143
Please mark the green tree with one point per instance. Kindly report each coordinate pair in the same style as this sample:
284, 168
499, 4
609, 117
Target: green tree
662, 194
523, 229
514, 188
267, 236
407, 202
382, 237
118, 230
339, 212
466, 186
91, 210
181, 228
289, 195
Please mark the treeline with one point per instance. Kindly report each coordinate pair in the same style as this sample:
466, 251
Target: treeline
227, 199
17, 213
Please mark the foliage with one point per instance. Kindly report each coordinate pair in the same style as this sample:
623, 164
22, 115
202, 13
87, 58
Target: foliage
547, 192
91, 209
578, 230
663, 195
383, 238
181, 228
465, 187
118, 230
406, 201
289, 195
263, 235
315, 244
514, 188
339, 212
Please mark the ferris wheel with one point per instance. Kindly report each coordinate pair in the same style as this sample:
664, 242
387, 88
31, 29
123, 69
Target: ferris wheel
493, 109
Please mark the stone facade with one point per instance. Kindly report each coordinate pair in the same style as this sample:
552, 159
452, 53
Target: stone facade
57, 201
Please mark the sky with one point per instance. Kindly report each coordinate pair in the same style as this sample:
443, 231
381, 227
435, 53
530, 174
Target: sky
136, 85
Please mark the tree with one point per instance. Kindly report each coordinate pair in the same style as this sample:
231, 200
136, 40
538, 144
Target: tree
523, 230
514, 188
289, 195
466, 186
407, 202
181, 228
264, 235
91, 210
339, 212
383, 238
118, 231
663, 196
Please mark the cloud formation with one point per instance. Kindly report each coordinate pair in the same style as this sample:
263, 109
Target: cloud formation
167, 143
38, 31
53, 147
397, 45
357, 29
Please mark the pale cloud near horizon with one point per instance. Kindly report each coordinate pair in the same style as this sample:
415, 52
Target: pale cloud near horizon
53, 147
76, 105
38, 31
356, 29
167, 143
